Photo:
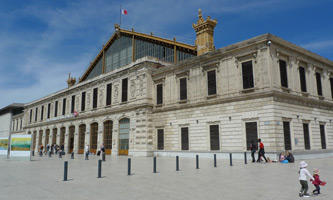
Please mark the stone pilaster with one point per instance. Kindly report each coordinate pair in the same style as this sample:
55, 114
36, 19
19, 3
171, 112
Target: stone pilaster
66, 138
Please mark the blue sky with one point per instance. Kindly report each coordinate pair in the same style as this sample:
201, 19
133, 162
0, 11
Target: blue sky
42, 41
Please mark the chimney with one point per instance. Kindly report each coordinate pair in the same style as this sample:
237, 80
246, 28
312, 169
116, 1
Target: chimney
205, 34
71, 81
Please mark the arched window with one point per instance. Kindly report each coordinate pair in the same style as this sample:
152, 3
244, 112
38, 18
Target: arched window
71, 139
107, 136
124, 128
93, 137
82, 132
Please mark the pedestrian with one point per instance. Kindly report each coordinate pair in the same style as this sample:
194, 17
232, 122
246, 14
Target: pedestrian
52, 148
316, 181
261, 152
102, 148
253, 150
303, 172
87, 152
62, 148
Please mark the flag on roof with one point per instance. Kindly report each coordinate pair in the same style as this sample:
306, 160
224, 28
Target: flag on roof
123, 12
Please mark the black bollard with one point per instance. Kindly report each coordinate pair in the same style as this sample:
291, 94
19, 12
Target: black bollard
197, 158
129, 167
65, 170
50, 154
177, 163
99, 168
103, 156
154, 164
245, 159
214, 160
72, 156
60, 155
230, 159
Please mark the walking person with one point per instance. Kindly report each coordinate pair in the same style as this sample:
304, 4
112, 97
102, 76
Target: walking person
316, 181
102, 148
62, 149
303, 173
261, 152
253, 150
87, 152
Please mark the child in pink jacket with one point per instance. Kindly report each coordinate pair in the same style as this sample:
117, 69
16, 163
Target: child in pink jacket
316, 182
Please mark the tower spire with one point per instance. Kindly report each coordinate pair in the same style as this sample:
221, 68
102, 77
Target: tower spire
205, 34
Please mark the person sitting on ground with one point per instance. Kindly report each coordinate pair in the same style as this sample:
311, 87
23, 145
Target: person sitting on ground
282, 158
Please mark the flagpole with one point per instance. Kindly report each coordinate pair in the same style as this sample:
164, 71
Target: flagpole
120, 18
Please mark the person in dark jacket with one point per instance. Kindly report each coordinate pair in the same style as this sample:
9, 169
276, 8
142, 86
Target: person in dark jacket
253, 150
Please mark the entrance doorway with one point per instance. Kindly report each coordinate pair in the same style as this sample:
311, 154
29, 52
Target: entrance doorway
124, 128
71, 139
107, 137
93, 137
54, 136
251, 134
82, 132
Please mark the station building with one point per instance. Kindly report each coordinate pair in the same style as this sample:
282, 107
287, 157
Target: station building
144, 95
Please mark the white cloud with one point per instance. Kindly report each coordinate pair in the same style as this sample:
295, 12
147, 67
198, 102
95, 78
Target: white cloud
319, 45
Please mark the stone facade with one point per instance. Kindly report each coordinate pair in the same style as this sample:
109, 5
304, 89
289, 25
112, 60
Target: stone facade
154, 103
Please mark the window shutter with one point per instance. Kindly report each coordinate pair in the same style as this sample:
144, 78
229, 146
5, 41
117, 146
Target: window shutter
247, 71
183, 89
211, 82
283, 73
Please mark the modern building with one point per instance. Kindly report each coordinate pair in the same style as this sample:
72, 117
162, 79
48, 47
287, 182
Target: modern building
145, 95
11, 120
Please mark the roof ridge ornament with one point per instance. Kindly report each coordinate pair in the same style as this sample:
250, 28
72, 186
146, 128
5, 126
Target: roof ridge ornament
205, 34
71, 81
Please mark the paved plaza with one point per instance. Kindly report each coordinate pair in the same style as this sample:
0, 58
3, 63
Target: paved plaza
42, 178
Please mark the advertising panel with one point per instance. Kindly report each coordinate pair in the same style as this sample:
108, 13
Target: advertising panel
3, 146
20, 145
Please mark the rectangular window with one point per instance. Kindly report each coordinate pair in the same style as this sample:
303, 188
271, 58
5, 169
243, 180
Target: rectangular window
56, 109
83, 101
251, 134
108, 94
302, 78
159, 94
30, 115
247, 73
48, 110
36, 113
95, 97
214, 137
184, 138
319, 88
322, 136
160, 139
124, 90
64, 106
21, 125
331, 81
183, 89
42, 114
73, 104
283, 73
306, 136
211, 79
286, 133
